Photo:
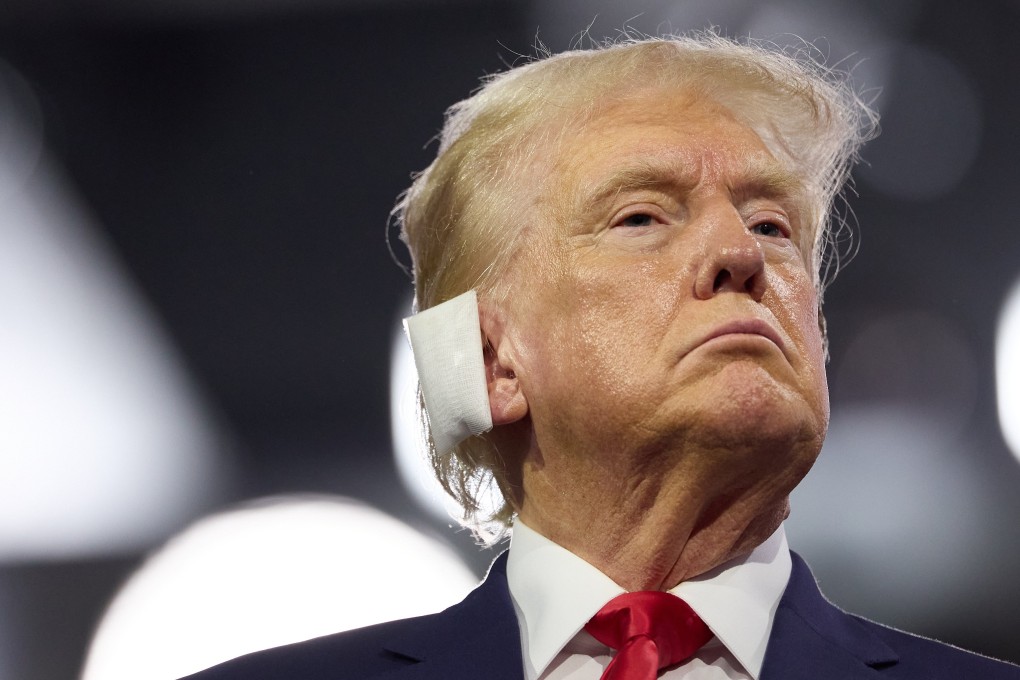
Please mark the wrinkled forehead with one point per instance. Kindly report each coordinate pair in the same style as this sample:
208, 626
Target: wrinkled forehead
599, 127
689, 146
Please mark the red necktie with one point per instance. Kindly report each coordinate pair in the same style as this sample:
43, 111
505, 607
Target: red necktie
650, 630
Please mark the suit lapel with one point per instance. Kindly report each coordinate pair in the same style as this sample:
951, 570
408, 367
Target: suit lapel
812, 638
475, 638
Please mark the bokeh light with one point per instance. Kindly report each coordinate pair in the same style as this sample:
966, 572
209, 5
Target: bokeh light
911, 357
107, 446
889, 493
273, 572
932, 123
1007, 370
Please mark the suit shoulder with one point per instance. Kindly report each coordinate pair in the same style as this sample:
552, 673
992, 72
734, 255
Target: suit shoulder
927, 658
483, 625
362, 651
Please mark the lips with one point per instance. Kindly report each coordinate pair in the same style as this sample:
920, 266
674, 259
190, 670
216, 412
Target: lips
745, 327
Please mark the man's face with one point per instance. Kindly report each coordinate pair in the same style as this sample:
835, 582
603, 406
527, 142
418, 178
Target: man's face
662, 297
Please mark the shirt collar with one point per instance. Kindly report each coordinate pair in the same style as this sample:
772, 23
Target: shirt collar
555, 593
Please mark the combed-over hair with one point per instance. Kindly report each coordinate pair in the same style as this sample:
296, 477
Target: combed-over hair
460, 221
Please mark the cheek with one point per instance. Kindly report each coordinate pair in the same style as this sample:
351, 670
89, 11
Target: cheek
795, 298
601, 325
623, 304
622, 316
795, 304
792, 298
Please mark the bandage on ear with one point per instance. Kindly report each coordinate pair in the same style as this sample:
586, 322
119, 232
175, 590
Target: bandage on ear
446, 341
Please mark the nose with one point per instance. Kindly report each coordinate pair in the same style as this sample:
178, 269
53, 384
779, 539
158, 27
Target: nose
733, 261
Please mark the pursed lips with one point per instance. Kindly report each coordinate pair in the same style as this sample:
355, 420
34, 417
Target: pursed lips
743, 327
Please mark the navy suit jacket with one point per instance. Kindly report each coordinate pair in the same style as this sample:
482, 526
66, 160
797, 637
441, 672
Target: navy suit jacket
478, 639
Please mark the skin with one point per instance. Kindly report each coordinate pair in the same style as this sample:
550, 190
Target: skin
658, 368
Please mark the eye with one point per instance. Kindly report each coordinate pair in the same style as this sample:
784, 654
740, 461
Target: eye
637, 220
770, 228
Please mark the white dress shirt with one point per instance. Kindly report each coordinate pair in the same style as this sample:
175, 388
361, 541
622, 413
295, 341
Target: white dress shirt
556, 592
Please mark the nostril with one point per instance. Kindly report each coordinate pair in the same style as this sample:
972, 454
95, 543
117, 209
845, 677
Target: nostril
735, 268
725, 280
720, 280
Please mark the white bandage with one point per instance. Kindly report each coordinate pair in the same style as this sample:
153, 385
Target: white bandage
446, 341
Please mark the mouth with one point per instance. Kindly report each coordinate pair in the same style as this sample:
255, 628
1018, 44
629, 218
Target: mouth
746, 327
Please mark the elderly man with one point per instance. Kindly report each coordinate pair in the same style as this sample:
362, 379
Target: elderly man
643, 226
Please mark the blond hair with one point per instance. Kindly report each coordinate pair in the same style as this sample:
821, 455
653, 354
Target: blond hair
460, 221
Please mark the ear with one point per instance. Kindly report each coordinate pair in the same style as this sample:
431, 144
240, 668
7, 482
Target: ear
507, 402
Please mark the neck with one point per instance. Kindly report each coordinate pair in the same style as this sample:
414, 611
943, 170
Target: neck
653, 531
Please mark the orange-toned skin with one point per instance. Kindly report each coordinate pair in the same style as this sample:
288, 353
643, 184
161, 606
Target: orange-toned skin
658, 361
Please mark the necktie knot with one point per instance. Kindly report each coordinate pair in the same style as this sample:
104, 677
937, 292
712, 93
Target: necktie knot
650, 630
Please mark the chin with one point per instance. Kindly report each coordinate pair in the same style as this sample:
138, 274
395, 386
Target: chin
745, 407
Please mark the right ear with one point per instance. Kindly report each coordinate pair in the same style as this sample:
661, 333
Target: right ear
507, 402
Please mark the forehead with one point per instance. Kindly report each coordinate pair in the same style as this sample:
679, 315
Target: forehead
668, 136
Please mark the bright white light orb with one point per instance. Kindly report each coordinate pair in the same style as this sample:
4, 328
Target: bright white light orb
270, 573
106, 445
1007, 370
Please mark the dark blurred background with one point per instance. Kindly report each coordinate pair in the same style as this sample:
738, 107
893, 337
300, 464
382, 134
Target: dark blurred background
198, 306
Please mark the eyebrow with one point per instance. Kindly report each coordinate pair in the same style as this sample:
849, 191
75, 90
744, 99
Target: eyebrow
766, 178
671, 177
762, 177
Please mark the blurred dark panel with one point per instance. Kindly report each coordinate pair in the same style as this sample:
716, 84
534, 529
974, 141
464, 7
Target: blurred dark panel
49, 612
245, 171
955, 254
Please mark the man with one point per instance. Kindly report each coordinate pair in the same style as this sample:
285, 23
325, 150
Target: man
644, 228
